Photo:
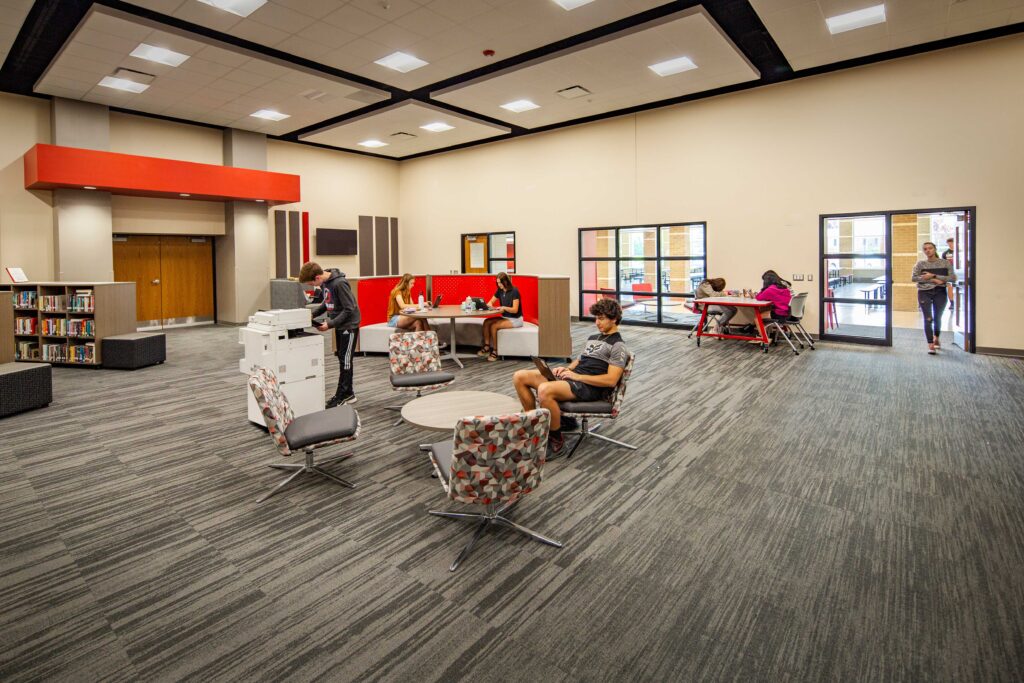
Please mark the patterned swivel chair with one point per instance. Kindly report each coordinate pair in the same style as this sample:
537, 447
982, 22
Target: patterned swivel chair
492, 461
416, 364
305, 433
610, 409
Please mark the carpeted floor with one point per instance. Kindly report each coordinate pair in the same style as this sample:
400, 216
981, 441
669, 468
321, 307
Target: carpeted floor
853, 513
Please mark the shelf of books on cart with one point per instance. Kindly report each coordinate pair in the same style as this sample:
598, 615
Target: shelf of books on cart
65, 322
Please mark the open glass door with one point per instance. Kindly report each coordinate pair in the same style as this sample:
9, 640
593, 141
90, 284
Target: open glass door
962, 302
856, 278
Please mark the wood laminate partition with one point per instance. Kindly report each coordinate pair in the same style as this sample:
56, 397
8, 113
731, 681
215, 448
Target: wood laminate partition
554, 340
6, 323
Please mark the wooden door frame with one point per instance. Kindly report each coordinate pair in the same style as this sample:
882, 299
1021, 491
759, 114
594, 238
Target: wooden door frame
462, 248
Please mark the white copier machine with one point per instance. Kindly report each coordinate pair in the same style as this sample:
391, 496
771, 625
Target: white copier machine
276, 340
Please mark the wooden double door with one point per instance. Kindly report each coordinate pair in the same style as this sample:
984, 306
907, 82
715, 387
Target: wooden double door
173, 276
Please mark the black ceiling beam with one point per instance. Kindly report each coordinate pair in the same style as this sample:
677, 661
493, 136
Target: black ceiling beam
47, 26
744, 27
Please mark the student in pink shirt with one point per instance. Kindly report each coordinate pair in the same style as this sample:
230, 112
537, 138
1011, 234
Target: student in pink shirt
776, 290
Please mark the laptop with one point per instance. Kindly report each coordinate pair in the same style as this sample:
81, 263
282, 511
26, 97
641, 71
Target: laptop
479, 304
544, 368
437, 301
936, 271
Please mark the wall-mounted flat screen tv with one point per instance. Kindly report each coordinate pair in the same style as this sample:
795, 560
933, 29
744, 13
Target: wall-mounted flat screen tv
332, 242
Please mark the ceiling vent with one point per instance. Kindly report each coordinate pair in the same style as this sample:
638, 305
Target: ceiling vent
401, 135
573, 91
134, 76
314, 95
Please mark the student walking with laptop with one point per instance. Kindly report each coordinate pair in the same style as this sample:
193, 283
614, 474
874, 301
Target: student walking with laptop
931, 275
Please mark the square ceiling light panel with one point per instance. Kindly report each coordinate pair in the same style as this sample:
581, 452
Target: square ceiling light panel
801, 29
11, 19
407, 128
451, 35
617, 71
215, 83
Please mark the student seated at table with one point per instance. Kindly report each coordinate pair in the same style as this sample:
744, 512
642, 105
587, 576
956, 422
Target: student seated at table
401, 297
715, 287
591, 377
506, 300
776, 290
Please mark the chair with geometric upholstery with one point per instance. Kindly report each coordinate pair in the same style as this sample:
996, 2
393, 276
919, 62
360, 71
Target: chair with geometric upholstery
305, 433
610, 409
416, 364
492, 461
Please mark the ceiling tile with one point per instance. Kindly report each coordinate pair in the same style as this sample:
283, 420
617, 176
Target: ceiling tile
388, 10
259, 33
425, 22
318, 9
281, 18
459, 10
327, 34
354, 20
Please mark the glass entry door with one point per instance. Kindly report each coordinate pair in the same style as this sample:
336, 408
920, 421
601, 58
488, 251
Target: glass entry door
856, 278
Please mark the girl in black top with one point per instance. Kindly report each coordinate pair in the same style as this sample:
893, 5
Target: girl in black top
506, 300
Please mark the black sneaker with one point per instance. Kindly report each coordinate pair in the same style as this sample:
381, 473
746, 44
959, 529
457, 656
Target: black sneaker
351, 398
333, 402
569, 424
556, 442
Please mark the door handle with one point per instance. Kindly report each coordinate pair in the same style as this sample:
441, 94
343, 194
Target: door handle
156, 281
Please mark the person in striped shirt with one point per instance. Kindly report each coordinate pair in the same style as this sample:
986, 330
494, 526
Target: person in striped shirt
931, 275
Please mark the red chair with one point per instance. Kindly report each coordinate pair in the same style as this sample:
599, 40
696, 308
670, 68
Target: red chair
830, 310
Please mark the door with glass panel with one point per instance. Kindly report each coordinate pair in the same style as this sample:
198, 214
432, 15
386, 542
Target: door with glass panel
856, 278
651, 270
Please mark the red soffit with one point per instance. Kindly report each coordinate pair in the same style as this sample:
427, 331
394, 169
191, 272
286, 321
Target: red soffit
49, 167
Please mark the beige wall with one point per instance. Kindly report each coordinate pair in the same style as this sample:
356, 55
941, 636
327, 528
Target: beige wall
151, 216
165, 139
26, 217
337, 188
759, 166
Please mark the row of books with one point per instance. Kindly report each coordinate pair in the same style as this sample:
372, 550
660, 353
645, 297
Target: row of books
27, 350
54, 353
84, 353
26, 299
82, 327
26, 325
55, 327
53, 302
83, 301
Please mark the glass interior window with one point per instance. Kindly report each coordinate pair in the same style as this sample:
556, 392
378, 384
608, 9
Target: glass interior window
597, 243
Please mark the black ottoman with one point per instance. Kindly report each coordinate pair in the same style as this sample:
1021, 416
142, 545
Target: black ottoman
135, 350
24, 386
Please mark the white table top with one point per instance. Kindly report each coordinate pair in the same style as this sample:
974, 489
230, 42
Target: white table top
442, 410
733, 301
448, 312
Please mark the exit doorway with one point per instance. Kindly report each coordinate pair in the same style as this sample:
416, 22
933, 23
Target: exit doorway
865, 275
173, 276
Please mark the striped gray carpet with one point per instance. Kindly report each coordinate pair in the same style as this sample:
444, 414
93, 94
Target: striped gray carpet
852, 513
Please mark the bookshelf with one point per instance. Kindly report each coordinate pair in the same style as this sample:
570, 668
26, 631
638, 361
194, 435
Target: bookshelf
6, 323
64, 322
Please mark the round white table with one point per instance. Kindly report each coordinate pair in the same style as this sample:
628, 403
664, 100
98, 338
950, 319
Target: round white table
450, 312
442, 410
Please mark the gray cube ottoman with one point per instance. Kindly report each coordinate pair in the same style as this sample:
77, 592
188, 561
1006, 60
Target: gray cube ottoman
24, 386
134, 350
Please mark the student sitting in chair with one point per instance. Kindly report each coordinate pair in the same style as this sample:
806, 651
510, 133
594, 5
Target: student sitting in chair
511, 308
591, 377
715, 287
401, 298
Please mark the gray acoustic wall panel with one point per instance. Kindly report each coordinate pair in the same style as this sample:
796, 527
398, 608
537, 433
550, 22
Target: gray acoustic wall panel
380, 246
366, 246
395, 270
281, 244
294, 235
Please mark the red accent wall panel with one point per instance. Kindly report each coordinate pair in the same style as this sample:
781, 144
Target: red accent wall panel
305, 236
50, 167
455, 288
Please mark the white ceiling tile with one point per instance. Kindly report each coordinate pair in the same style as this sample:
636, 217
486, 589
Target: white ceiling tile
163, 6
318, 9
327, 34
388, 10
304, 47
281, 18
394, 37
220, 56
425, 22
979, 23
354, 20
205, 15
459, 10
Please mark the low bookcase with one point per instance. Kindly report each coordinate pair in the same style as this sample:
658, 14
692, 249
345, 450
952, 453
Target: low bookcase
63, 323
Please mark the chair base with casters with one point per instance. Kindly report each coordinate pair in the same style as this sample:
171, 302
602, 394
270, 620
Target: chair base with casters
494, 514
309, 467
780, 329
712, 316
801, 334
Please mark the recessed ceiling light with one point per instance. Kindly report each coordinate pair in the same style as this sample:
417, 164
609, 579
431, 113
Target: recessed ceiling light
399, 61
161, 55
270, 115
373, 143
859, 19
673, 66
242, 8
88, 187
184, 194
572, 4
520, 106
438, 127
122, 84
